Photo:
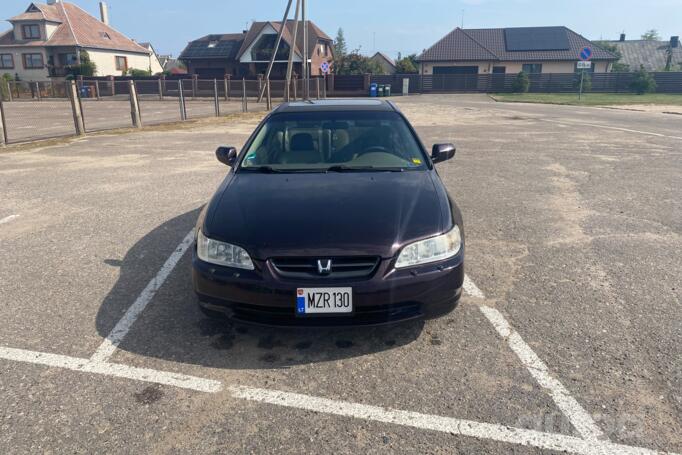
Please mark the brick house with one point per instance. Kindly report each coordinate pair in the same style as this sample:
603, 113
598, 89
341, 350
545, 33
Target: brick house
248, 53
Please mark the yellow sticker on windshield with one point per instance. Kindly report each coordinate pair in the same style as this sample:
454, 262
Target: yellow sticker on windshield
416, 161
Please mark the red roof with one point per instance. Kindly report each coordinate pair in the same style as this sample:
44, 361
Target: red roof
77, 28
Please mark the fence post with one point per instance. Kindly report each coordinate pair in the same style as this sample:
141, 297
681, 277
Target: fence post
38, 91
245, 103
260, 85
134, 105
97, 92
113, 85
216, 102
195, 83
3, 125
295, 81
72, 91
226, 84
160, 88
269, 95
9, 91
317, 83
181, 98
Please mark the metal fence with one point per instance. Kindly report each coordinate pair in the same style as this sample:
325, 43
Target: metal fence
43, 110
666, 82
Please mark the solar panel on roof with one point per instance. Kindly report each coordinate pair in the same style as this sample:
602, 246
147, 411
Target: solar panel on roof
536, 39
212, 49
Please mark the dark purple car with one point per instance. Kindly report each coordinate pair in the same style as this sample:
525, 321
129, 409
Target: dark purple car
332, 214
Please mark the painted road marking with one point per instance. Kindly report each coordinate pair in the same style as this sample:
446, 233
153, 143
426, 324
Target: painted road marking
111, 369
118, 333
501, 433
7, 219
596, 125
579, 418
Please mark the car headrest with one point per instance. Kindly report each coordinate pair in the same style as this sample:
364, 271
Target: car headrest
302, 142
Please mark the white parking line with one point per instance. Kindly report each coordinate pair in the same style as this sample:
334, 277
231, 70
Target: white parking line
579, 418
597, 125
111, 342
111, 369
7, 219
479, 430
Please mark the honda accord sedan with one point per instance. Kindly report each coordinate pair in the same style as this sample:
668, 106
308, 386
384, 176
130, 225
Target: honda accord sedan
332, 214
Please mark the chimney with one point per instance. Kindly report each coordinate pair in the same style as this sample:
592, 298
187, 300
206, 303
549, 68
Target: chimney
674, 41
622, 37
52, 2
104, 12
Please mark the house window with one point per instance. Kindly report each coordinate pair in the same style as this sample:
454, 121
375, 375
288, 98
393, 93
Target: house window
33, 61
263, 48
121, 63
532, 68
499, 69
6, 61
31, 31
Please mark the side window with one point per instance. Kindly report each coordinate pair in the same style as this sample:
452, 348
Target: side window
532, 68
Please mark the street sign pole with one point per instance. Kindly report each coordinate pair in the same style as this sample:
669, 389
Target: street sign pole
584, 55
582, 76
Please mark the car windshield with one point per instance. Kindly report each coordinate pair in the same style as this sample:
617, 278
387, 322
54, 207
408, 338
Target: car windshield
334, 141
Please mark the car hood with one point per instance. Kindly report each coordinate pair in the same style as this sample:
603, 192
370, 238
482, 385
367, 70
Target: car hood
326, 214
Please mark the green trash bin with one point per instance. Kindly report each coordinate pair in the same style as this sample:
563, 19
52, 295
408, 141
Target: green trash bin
380, 90
387, 90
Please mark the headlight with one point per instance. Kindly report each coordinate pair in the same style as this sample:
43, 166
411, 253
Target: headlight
431, 250
222, 253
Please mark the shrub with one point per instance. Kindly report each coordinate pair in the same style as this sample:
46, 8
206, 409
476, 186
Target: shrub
521, 83
86, 68
139, 73
642, 82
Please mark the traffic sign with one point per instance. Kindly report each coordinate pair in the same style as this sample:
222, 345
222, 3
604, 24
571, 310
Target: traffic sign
582, 65
324, 67
585, 53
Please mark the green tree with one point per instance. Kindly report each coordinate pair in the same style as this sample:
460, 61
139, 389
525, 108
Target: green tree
407, 65
4, 88
355, 63
521, 83
587, 81
643, 82
651, 35
340, 47
617, 66
86, 68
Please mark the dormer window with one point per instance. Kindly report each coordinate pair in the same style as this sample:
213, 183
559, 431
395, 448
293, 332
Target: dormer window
212, 44
30, 31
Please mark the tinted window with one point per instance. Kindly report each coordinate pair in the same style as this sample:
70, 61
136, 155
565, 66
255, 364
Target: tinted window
319, 140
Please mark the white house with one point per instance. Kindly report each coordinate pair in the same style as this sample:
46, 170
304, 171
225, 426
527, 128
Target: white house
45, 39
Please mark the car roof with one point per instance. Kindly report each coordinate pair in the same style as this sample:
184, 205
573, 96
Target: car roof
333, 105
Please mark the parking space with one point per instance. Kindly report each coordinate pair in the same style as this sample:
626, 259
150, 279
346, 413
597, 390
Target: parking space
567, 340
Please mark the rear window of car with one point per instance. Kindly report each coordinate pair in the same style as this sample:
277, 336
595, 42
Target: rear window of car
312, 141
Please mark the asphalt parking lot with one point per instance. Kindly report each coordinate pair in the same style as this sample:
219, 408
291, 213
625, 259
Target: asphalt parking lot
568, 339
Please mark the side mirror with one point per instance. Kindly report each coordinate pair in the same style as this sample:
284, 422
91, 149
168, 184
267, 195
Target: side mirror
442, 152
226, 155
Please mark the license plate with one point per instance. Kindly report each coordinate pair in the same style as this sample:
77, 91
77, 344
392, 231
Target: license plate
324, 301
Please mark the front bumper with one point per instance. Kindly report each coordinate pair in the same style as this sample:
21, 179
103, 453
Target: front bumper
261, 296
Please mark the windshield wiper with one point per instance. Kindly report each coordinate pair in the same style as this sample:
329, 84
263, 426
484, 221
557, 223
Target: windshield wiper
262, 169
344, 168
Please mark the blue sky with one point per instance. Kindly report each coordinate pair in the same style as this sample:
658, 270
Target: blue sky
391, 26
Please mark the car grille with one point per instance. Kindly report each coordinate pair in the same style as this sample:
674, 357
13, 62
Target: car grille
341, 268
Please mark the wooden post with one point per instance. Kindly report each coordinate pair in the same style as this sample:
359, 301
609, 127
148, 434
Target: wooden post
260, 86
134, 106
97, 92
324, 88
195, 84
9, 91
113, 85
226, 82
295, 87
269, 95
317, 84
181, 98
160, 89
38, 97
216, 102
16, 89
245, 104
72, 90
3, 125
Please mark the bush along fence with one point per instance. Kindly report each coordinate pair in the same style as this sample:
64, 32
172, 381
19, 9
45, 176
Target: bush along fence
43, 110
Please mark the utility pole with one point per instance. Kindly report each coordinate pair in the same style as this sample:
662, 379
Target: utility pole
274, 53
306, 78
290, 65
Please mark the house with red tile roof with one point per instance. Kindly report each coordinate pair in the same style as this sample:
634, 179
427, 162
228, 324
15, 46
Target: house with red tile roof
47, 38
